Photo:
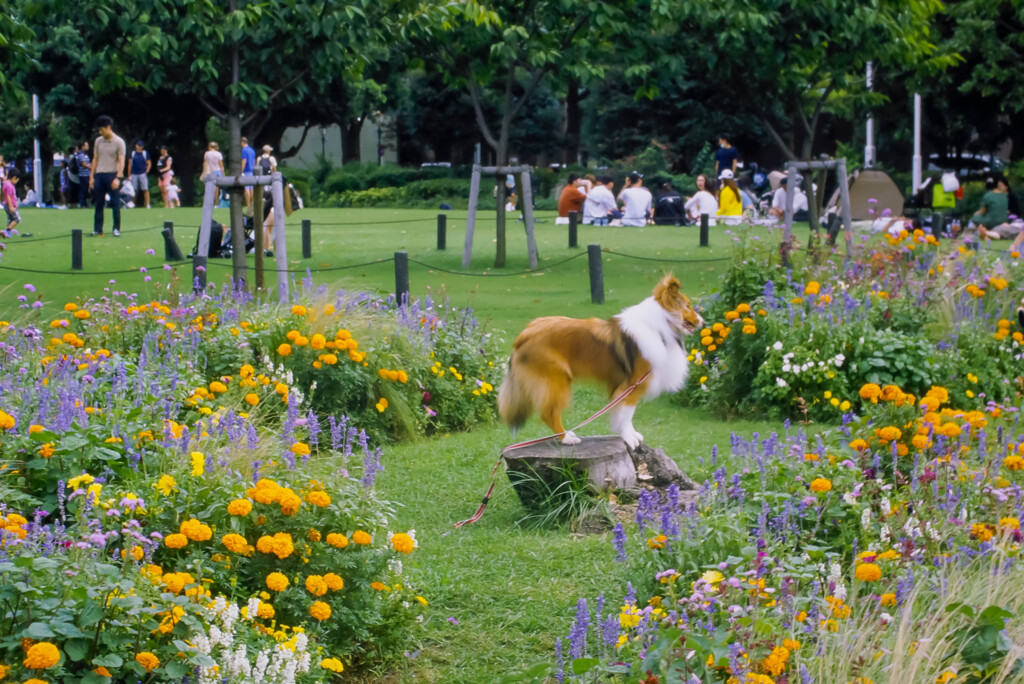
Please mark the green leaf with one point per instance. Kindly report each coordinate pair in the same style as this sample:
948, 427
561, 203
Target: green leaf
39, 630
584, 665
109, 660
176, 669
76, 649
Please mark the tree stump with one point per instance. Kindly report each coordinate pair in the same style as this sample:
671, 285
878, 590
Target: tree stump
602, 463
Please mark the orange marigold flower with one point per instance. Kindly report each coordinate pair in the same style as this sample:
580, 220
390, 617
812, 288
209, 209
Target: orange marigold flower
402, 543
148, 661
868, 572
887, 600
41, 656
820, 484
338, 541
240, 507
320, 610
316, 585
175, 541
871, 392
276, 581
318, 498
235, 543
195, 530
284, 349
334, 582
361, 538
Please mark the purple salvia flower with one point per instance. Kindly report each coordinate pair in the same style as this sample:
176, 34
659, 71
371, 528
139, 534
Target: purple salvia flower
578, 633
619, 542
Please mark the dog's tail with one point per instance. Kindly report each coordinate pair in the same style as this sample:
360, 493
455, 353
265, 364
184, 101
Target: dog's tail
514, 402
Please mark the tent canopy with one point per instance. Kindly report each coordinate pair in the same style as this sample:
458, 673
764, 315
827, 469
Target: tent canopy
868, 185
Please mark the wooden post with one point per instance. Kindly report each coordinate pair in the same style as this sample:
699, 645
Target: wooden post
474, 192
704, 222
844, 206
402, 278
787, 226
596, 274
574, 219
76, 249
257, 233
442, 232
531, 238
280, 245
169, 230
307, 239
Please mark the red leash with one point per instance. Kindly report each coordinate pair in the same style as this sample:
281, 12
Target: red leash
494, 471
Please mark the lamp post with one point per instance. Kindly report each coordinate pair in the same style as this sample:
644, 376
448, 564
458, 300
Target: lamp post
869, 145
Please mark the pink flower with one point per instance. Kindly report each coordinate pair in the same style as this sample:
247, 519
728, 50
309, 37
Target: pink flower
30, 287
142, 270
150, 252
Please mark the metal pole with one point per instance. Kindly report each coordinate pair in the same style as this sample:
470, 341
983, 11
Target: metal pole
37, 163
704, 222
574, 219
257, 227
869, 145
402, 277
76, 249
307, 239
442, 232
596, 275
916, 168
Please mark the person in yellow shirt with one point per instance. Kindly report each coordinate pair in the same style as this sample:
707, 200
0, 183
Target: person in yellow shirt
730, 203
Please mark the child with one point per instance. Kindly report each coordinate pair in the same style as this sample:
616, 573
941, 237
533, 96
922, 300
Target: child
172, 195
65, 185
10, 199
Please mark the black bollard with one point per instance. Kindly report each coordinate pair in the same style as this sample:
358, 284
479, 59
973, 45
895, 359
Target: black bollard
938, 223
169, 229
574, 219
442, 232
76, 249
703, 230
198, 273
402, 277
171, 250
307, 239
596, 274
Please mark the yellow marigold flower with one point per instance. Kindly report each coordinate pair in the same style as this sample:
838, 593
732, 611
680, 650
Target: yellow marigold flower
743, 308
265, 492
732, 315
382, 405
982, 532
871, 392
195, 530
749, 329
284, 349
290, 502
148, 661
252, 399
42, 655
1009, 523
402, 543
281, 388
175, 541
240, 507
318, 342
361, 538
334, 582
300, 449
1014, 462
276, 581
235, 543
868, 572
316, 585
920, 442
338, 541
265, 611
820, 484
791, 644
46, 450
314, 534
947, 676
889, 433
330, 359
70, 306
657, 542
198, 463
332, 664
301, 341
320, 610
35, 429
887, 600
102, 671
318, 498
812, 288
299, 310
81, 314
218, 387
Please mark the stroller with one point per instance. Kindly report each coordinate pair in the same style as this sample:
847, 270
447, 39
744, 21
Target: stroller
225, 249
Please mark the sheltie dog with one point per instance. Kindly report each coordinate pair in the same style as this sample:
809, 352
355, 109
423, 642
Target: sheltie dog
555, 350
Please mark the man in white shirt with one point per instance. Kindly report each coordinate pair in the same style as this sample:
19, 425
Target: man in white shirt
636, 201
778, 208
600, 202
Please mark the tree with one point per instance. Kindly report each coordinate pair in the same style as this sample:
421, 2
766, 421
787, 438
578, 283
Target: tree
237, 61
500, 51
795, 59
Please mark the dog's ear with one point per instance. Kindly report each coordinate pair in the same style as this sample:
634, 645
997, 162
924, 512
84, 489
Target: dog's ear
666, 292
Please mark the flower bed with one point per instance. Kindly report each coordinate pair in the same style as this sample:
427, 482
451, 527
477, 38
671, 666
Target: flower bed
800, 343
186, 487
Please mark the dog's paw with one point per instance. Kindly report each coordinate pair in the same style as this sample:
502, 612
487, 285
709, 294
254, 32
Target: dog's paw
632, 438
570, 438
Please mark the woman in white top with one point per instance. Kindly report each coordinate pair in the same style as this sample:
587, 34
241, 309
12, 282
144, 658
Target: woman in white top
703, 202
213, 166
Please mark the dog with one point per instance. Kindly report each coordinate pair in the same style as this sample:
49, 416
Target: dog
554, 351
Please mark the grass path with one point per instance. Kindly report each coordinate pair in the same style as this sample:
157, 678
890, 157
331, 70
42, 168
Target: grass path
512, 590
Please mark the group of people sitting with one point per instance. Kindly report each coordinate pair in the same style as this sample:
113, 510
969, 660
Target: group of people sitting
597, 204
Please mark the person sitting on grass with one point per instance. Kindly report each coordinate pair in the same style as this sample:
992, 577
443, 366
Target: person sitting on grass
10, 198
730, 203
995, 207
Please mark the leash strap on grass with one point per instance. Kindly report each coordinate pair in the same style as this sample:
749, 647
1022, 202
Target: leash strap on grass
494, 471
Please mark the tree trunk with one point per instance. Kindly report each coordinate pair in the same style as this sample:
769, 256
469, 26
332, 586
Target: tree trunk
234, 168
502, 154
573, 123
350, 141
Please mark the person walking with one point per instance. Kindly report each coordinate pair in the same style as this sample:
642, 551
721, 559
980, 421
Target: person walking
266, 162
725, 156
213, 166
164, 169
139, 176
84, 175
9, 197
107, 173
248, 163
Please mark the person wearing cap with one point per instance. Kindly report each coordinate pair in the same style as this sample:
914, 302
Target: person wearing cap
266, 163
725, 156
636, 201
778, 208
730, 203
139, 175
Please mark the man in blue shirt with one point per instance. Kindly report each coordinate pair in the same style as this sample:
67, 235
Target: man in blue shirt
248, 161
139, 174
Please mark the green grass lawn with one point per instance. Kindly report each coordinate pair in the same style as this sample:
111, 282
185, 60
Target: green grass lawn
505, 299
